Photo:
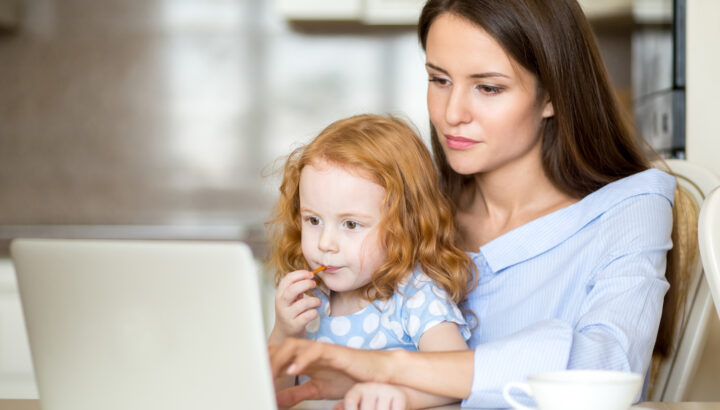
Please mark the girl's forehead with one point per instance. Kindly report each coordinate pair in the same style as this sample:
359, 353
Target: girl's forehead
332, 190
325, 166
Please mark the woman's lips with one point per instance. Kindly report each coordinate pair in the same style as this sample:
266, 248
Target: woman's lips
454, 142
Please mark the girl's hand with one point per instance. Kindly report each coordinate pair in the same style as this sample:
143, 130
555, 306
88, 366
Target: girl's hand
373, 396
293, 309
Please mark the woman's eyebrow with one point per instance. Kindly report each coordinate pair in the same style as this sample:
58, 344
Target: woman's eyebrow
481, 75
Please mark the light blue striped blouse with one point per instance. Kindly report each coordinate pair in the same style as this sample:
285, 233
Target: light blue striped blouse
580, 288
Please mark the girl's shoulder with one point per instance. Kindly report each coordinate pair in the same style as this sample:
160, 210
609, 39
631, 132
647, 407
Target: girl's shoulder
417, 285
414, 281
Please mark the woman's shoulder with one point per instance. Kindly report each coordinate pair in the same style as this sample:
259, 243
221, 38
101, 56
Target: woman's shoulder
649, 182
638, 212
645, 191
642, 200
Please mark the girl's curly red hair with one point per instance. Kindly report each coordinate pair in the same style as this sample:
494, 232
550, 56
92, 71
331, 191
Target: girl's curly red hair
417, 225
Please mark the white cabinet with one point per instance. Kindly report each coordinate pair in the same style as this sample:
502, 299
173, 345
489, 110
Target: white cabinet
392, 12
641, 11
322, 10
406, 12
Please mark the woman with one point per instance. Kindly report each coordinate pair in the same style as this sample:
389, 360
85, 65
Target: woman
555, 202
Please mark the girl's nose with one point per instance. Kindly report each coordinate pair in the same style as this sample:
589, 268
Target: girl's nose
328, 240
457, 110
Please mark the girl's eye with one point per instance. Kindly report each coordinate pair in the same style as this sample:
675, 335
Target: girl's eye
314, 220
352, 225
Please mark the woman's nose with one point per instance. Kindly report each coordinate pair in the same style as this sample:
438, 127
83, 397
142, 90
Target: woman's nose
328, 240
457, 110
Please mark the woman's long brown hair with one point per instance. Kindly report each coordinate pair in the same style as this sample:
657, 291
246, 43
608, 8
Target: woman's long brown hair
590, 141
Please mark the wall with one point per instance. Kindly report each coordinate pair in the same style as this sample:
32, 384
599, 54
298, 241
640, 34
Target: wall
703, 146
703, 87
168, 112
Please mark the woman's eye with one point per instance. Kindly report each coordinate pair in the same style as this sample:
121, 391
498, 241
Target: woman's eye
489, 89
439, 80
352, 225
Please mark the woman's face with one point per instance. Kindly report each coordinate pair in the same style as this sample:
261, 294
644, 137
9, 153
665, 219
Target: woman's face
482, 104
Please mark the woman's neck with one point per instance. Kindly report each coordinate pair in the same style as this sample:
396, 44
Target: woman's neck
507, 198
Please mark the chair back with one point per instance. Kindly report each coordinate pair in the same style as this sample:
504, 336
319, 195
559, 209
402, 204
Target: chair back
709, 242
670, 377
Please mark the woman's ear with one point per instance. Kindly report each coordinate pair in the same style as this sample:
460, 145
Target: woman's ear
548, 110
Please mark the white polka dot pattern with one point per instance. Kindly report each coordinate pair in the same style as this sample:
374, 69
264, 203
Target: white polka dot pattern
340, 326
437, 308
413, 325
379, 341
416, 301
397, 323
355, 342
370, 323
314, 325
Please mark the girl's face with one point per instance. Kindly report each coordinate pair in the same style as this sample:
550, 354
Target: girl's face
482, 105
341, 213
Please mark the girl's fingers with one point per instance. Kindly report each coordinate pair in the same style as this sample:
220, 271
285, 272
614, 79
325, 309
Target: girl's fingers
368, 399
305, 317
352, 399
303, 305
291, 278
384, 401
296, 290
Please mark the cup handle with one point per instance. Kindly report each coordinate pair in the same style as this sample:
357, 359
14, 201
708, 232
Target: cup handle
516, 385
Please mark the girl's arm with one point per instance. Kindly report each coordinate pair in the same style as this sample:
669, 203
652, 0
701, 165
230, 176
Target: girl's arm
442, 337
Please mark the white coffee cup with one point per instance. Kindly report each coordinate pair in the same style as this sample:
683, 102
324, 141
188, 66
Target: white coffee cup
578, 389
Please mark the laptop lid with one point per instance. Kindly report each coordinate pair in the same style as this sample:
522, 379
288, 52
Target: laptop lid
120, 324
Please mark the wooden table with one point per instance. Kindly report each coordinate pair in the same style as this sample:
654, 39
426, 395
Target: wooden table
6, 404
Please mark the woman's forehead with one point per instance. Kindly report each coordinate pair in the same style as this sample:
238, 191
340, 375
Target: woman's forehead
463, 48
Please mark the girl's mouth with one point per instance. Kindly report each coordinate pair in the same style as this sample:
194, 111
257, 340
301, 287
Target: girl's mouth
459, 143
331, 269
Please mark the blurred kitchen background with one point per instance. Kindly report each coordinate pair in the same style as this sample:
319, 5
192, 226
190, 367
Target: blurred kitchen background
166, 118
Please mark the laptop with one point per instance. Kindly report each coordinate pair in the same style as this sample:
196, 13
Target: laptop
132, 325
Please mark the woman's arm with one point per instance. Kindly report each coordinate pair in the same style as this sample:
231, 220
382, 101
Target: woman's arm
330, 366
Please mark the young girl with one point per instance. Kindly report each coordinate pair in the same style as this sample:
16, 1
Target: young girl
361, 204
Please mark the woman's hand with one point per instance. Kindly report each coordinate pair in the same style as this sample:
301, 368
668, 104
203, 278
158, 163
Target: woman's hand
323, 384
332, 369
293, 309
373, 396
300, 356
